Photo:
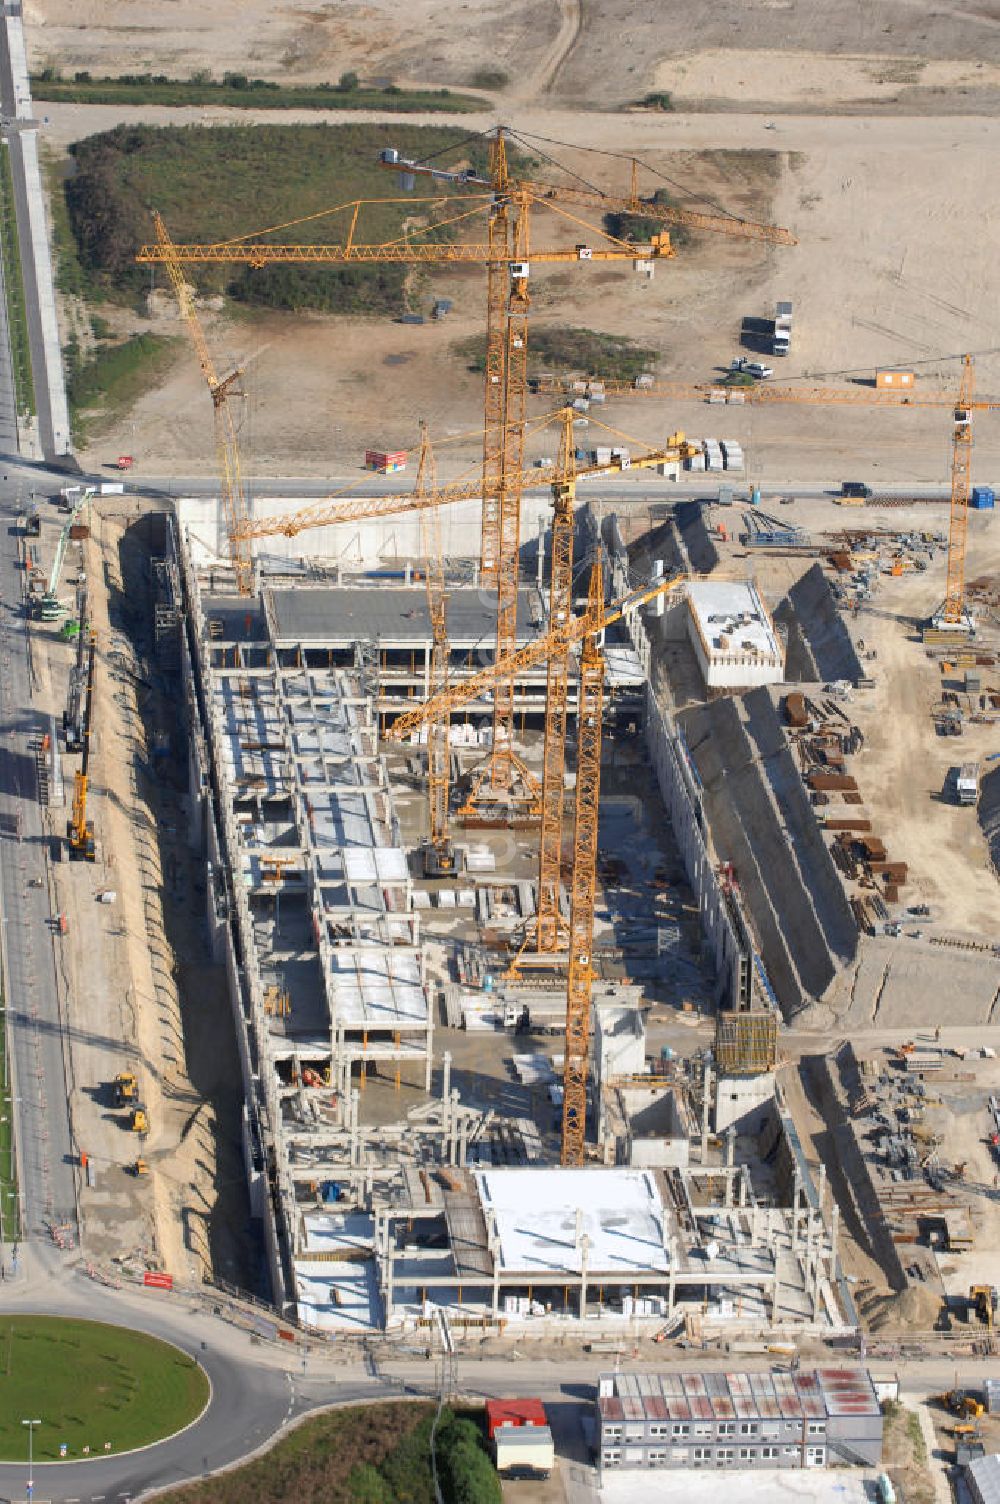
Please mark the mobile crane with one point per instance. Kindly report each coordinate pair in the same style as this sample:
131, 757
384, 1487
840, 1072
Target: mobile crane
81, 830
50, 608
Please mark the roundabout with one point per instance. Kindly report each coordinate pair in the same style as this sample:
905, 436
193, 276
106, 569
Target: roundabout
91, 1389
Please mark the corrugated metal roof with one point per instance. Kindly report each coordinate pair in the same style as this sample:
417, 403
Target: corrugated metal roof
983, 1476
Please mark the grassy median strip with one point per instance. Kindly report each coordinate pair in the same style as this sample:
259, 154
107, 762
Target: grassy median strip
17, 319
237, 91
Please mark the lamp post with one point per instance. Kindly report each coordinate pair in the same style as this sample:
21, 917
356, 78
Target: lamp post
31, 1424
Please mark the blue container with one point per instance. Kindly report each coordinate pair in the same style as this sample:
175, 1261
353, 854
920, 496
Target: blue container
982, 498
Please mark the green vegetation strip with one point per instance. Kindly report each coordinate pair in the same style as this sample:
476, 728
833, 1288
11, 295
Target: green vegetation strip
91, 1385
24, 390
612, 357
375, 1454
237, 91
213, 184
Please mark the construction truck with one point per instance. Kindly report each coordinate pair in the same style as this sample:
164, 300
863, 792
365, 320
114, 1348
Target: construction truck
961, 1402
967, 783
124, 1089
139, 1119
984, 1299
140, 1168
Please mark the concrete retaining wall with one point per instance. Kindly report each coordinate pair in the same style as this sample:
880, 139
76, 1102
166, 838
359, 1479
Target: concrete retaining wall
819, 644
679, 790
989, 814
762, 821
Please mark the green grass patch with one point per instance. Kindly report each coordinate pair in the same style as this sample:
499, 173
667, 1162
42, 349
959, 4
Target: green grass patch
102, 388
215, 184
17, 319
90, 1384
612, 357
371, 1454
237, 91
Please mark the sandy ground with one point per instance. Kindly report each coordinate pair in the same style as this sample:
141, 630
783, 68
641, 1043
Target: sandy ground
817, 82
879, 278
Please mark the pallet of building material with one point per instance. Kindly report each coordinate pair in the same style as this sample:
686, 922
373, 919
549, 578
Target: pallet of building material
795, 709
893, 872
873, 848
853, 798
891, 893
845, 822
832, 781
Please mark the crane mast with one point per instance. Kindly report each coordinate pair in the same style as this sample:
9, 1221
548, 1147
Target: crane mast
226, 443
961, 469
580, 977
439, 853
81, 830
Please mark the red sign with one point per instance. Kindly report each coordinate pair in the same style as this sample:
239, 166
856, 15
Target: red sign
159, 1281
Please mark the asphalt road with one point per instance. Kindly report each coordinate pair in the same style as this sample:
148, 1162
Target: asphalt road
34, 1020
630, 489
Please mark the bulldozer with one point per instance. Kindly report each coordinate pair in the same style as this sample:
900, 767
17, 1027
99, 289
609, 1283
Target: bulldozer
124, 1088
961, 1403
139, 1119
984, 1298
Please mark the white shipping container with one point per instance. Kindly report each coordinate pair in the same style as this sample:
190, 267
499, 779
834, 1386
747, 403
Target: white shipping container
527, 1447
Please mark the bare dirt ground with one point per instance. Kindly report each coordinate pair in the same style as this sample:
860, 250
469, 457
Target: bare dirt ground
602, 53
879, 278
141, 994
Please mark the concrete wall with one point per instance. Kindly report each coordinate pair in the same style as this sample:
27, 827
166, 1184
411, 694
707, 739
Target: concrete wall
989, 813
763, 823
368, 543
820, 646
681, 795
739, 1101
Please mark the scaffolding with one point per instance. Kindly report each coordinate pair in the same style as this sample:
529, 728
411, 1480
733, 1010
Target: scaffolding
746, 1043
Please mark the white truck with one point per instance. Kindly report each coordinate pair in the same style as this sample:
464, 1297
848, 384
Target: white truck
782, 339
967, 783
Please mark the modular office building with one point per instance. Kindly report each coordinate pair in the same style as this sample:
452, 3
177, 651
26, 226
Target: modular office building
738, 1420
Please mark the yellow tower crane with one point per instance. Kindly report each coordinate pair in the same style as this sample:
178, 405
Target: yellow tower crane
560, 637
506, 779
509, 789
226, 444
963, 405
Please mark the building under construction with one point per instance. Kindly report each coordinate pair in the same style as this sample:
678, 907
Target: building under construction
389, 1182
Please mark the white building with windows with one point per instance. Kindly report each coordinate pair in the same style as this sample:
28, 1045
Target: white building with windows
739, 1420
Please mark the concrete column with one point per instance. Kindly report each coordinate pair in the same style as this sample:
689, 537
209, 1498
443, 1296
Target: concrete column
706, 1098
730, 1158
796, 1190
584, 1252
